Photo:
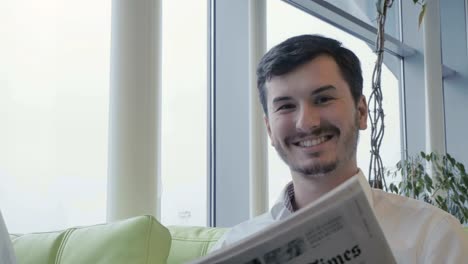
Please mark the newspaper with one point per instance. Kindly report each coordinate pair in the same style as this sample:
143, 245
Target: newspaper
339, 228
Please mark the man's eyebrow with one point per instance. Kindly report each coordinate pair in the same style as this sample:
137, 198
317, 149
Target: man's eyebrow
281, 98
316, 91
323, 89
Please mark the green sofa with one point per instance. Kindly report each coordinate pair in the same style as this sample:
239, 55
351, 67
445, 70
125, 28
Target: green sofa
138, 240
189, 243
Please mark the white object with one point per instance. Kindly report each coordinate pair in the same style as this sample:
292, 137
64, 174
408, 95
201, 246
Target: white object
7, 255
416, 231
134, 120
338, 227
258, 140
434, 91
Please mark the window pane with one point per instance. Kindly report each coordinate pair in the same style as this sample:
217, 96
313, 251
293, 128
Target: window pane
284, 21
184, 113
54, 82
366, 11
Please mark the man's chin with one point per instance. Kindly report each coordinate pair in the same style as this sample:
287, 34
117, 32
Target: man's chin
315, 170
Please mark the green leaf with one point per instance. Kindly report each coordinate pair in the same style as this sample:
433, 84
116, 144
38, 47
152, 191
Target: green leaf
420, 168
423, 155
427, 178
465, 215
450, 159
441, 203
398, 165
463, 190
417, 190
448, 177
465, 181
421, 14
380, 4
461, 168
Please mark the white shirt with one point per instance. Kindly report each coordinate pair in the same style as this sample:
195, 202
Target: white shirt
7, 255
416, 231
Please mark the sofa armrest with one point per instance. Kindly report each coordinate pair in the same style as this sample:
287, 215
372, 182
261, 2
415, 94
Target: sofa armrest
189, 243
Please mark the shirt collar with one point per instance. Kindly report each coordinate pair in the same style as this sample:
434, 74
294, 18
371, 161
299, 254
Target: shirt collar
366, 187
283, 206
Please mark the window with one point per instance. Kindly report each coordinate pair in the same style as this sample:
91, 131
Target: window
284, 21
54, 92
184, 112
54, 84
362, 8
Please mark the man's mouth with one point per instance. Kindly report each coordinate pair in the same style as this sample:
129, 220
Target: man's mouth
310, 142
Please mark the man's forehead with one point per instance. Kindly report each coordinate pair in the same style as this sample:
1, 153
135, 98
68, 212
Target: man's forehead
281, 87
314, 74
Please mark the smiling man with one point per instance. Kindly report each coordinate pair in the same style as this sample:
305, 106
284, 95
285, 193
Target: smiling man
310, 88
313, 122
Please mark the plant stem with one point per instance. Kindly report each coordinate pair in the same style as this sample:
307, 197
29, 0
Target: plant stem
376, 113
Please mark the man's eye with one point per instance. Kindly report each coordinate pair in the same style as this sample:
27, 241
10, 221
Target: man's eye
285, 107
323, 99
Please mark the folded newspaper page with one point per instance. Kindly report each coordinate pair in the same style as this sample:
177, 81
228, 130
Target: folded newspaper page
339, 228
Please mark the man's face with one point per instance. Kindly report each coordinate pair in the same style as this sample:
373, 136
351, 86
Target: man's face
313, 121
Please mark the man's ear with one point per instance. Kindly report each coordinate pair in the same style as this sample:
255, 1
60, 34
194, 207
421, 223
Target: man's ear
362, 112
267, 125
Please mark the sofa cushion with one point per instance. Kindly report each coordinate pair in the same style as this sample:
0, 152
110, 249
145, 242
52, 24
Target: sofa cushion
189, 243
139, 240
40, 248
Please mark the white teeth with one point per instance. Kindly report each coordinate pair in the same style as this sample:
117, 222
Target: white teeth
312, 142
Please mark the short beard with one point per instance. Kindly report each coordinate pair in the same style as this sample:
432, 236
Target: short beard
317, 170
320, 170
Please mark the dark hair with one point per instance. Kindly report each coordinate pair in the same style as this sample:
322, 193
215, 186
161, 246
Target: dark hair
297, 51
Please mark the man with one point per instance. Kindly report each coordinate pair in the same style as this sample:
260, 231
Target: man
310, 88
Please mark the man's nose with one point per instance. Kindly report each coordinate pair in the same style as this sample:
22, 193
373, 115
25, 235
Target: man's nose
308, 119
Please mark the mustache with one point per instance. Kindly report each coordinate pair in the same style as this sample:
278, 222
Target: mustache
315, 132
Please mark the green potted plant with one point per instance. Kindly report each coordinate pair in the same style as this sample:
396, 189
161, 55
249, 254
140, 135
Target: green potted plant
436, 179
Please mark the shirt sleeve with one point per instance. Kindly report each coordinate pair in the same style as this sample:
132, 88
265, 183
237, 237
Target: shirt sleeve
447, 242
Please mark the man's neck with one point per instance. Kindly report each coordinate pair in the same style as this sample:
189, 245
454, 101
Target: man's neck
309, 188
